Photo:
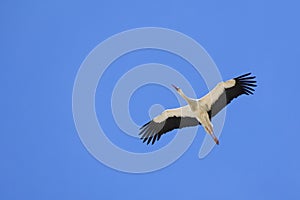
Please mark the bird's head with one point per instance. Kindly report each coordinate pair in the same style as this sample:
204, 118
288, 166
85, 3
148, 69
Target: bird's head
179, 91
177, 88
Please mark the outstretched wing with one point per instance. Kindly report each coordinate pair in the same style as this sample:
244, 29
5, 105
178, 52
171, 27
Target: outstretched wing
231, 89
167, 121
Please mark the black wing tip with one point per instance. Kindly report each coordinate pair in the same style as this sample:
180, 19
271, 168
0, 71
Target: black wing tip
246, 78
150, 140
145, 125
244, 75
247, 83
148, 134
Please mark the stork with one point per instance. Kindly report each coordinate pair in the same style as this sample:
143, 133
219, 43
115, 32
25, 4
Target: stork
198, 111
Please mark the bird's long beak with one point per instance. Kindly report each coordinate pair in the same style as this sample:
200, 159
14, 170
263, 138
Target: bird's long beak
176, 88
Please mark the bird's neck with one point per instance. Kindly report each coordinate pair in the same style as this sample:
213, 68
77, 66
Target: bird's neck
187, 99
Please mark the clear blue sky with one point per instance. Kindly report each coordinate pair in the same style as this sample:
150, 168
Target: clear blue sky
42, 46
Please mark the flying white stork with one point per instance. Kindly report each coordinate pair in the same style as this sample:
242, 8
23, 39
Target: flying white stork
198, 111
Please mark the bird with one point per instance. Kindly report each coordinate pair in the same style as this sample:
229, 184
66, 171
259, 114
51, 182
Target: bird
198, 111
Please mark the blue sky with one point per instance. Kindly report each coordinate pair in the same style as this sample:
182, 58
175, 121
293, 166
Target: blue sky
42, 47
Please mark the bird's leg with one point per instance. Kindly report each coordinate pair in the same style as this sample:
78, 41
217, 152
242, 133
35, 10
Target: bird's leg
215, 139
210, 131
206, 123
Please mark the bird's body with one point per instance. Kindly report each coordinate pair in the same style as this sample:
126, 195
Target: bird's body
198, 111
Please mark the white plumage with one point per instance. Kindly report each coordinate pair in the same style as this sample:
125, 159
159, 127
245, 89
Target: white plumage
198, 111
